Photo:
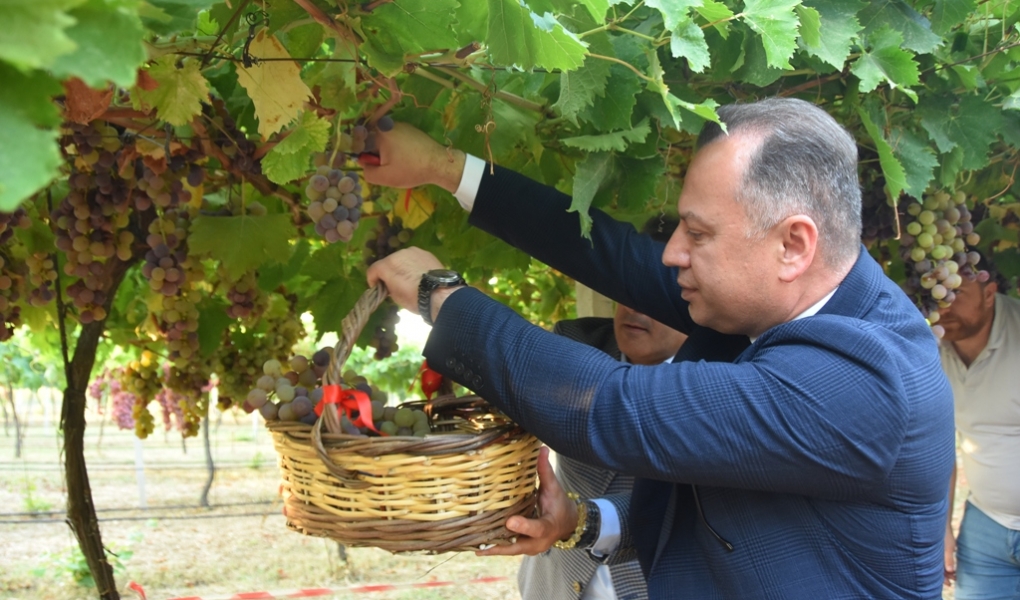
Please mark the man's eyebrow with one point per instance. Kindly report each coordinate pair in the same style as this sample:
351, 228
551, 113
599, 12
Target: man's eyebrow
689, 216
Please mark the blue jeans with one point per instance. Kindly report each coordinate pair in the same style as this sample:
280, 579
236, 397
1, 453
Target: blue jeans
987, 559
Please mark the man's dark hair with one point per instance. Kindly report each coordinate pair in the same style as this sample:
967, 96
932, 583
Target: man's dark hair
805, 163
660, 227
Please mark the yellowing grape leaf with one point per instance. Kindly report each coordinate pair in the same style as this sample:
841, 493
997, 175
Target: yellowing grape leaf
275, 86
179, 94
413, 208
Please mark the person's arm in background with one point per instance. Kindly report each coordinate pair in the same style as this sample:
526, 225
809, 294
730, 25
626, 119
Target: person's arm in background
950, 549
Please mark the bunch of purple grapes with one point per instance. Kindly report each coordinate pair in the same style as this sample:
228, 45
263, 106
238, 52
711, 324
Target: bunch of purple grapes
91, 222
384, 338
935, 251
170, 404
389, 237
10, 313
123, 404
336, 201
246, 300
8, 221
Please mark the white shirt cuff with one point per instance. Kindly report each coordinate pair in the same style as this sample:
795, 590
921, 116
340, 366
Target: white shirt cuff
609, 531
470, 181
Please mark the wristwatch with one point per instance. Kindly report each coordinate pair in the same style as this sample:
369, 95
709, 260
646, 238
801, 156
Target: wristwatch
430, 282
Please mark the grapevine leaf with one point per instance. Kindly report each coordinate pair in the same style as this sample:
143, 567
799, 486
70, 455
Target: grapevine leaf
419, 24
275, 87
1012, 102
918, 160
579, 88
212, 322
34, 32
718, 13
109, 39
810, 26
282, 14
497, 254
946, 14
688, 41
519, 37
590, 174
596, 8
472, 21
180, 93
243, 243
37, 238
334, 301
288, 160
282, 168
637, 182
34, 160
776, 22
613, 110
610, 141
674, 12
755, 68
166, 18
885, 60
305, 40
838, 29
272, 276
898, 15
972, 126
895, 176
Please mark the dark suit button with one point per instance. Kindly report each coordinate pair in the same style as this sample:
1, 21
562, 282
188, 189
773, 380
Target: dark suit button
478, 382
450, 362
468, 375
458, 368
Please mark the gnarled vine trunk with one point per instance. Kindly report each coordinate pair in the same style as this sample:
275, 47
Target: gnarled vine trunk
81, 512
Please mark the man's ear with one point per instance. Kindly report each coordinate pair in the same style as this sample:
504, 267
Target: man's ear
988, 294
799, 239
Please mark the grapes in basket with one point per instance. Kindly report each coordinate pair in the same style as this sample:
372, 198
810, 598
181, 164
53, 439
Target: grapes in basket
294, 394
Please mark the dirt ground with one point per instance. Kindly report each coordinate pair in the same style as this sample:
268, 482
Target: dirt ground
174, 548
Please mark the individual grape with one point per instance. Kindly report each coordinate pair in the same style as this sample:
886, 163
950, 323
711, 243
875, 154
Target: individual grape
404, 417
385, 123
286, 413
302, 406
269, 411
257, 397
272, 367
388, 427
321, 358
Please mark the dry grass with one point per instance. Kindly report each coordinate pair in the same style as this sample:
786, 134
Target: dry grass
194, 551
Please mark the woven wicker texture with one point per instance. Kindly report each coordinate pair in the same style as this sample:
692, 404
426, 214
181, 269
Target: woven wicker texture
449, 491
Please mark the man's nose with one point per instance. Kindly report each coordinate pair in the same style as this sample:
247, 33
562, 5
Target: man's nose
676, 254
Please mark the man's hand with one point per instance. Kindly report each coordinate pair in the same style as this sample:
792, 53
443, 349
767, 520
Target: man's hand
557, 520
401, 272
949, 570
408, 158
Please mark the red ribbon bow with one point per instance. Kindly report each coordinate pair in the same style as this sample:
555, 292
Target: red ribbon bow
349, 401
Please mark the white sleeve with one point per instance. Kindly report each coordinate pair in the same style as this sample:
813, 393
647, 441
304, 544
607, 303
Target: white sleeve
609, 531
470, 181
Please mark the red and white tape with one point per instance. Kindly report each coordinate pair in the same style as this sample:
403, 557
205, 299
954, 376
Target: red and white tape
318, 592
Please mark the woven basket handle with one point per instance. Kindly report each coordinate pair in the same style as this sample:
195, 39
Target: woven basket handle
350, 329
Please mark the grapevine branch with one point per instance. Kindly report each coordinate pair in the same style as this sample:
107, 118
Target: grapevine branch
326, 21
505, 96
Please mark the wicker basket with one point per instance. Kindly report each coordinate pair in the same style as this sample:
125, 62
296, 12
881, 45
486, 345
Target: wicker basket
449, 491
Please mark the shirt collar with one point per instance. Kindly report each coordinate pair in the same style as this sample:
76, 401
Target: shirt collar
811, 310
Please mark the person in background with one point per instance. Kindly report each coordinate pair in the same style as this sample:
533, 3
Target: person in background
564, 572
981, 357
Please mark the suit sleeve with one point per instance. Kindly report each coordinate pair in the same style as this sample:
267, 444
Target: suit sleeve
617, 262
787, 420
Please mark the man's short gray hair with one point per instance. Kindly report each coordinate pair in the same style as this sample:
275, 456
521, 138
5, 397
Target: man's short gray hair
805, 163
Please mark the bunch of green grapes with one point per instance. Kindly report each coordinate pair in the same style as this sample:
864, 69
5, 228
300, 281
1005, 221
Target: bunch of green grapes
935, 250
190, 385
143, 379
42, 274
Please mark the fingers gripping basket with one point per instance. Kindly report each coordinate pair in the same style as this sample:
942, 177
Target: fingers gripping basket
449, 491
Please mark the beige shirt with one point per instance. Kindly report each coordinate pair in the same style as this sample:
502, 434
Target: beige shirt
987, 398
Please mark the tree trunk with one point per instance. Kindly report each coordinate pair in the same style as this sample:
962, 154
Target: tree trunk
208, 461
7, 420
81, 512
17, 423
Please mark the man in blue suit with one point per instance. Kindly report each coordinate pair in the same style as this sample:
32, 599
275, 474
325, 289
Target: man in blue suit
815, 464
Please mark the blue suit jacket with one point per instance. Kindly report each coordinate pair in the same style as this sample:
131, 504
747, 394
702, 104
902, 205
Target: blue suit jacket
822, 453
